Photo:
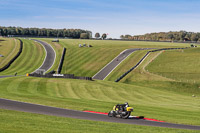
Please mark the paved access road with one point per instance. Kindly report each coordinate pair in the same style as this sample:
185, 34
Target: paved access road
103, 73
50, 56
46, 110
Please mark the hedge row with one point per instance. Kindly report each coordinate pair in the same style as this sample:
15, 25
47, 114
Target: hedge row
69, 76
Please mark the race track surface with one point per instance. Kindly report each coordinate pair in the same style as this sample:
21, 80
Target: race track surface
46, 110
104, 72
50, 56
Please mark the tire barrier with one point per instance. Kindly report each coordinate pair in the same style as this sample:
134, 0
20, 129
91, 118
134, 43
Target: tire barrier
61, 60
52, 72
68, 76
122, 76
14, 58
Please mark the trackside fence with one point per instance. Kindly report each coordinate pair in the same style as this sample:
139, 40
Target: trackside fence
122, 76
14, 58
61, 60
68, 76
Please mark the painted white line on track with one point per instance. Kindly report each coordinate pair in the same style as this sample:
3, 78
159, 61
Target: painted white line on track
45, 55
117, 65
109, 63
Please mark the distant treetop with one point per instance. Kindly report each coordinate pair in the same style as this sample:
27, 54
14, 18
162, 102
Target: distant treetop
166, 36
43, 32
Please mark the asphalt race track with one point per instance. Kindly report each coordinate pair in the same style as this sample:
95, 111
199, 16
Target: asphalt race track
46, 110
103, 73
50, 56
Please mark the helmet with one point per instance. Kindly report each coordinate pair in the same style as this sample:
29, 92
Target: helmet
126, 103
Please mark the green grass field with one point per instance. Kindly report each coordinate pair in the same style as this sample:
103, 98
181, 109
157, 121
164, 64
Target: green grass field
88, 61
180, 65
161, 87
8, 48
30, 59
101, 96
15, 122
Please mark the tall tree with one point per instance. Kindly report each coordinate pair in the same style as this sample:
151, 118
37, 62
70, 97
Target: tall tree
104, 36
122, 36
97, 35
194, 37
171, 37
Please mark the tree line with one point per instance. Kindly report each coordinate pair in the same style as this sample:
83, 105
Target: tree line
45, 32
166, 36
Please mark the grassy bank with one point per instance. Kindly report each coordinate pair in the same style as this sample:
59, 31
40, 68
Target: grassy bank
101, 96
9, 48
29, 60
88, 61
180, 65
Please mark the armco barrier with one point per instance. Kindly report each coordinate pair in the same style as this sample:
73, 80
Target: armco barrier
14, 58
62, 60
122, 76
69, 76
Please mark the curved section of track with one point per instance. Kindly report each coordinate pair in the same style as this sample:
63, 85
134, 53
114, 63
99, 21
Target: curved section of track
46, 110
50, 56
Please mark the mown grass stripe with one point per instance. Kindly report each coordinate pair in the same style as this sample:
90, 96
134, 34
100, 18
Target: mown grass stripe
23, 86
13, 84
75, 89
41, 86
19, 63
70, 91
29, 60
